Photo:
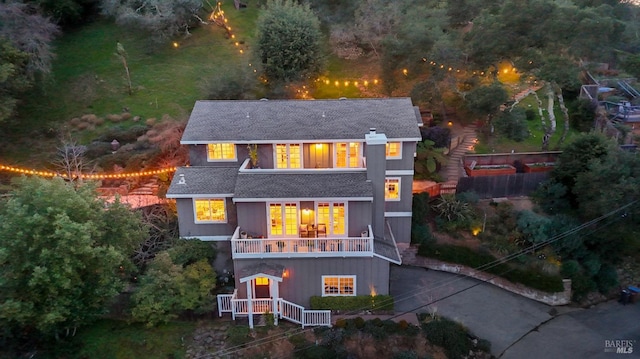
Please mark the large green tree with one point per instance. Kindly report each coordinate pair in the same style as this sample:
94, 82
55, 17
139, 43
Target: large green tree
63, 253
289, 41
162, 19
13, 77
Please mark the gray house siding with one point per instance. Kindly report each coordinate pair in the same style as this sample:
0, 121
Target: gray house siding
406, 162
401, 228
305, 276
252, 218
188, 227
198, 157
406, 196
223, 261
359, 217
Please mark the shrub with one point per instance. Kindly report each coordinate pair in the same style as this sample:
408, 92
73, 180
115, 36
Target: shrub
512, 124
470, 258
123, 134
420, 208
451, 336
126, 116
151, 121
238, 335
606, 279
530, 114
98, 149
421, 234
405, 355
89, 118
359, 302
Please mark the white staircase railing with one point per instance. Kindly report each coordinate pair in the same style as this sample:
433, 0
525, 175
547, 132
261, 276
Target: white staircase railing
229, 303
297, 314
225, 302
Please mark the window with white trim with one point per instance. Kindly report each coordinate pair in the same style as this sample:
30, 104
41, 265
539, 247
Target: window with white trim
221, 152
210, 210
284, 219
347, 155
333, 215
392, 189
394, 150
338, 285
288, 155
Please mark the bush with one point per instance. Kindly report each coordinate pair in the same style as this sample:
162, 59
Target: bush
359, 302
451, 336
468, 257
420, 208
530, 114
238, 335
123, 134
441, 136
512, 124
421, 234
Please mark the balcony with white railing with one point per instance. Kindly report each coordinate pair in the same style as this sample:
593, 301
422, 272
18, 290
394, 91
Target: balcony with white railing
298, 247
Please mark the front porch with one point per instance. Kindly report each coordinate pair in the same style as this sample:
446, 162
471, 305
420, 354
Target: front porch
279, 307
302, 247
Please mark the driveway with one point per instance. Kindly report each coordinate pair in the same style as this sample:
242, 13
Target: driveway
509, 321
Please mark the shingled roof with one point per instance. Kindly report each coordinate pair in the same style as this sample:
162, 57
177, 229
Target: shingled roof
203, 181
308, 185
300, 120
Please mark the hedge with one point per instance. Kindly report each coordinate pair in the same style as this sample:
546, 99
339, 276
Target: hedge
359, 302
470, 258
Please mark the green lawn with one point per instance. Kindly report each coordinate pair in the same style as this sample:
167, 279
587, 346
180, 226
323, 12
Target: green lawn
88, 77
113, 339
501, 144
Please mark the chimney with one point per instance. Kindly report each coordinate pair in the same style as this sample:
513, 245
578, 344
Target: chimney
375, 152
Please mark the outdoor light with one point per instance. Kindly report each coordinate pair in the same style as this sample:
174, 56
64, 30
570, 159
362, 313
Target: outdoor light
175, 44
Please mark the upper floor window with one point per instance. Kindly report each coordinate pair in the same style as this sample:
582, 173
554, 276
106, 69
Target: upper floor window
221, 152
348, 155
210, 210
392, 189
394, 150
344, 285
288, 156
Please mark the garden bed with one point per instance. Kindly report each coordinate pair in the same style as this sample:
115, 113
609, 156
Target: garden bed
490, 170
538, 167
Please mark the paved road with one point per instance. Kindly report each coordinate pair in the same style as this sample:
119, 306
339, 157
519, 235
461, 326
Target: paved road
509, 321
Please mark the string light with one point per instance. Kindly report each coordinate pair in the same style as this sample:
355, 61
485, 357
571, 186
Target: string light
97, 176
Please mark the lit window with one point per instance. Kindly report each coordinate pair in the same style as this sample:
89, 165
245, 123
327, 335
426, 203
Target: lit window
262, 281
338, 285
221, 152
210, 210
332, 214
394, 150
348, 155
288, 156
284, 219
392, 189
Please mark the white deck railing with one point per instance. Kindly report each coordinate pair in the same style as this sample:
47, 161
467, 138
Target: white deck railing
302, 247
225, 302
228, 303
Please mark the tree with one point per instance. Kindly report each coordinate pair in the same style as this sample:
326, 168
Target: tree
512, 124
67, 12
288, 41
486, 100
14, 79
60, 252
29, 32
177, 280
163, 19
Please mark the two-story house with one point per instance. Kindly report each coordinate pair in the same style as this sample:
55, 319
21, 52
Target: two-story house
302, 197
